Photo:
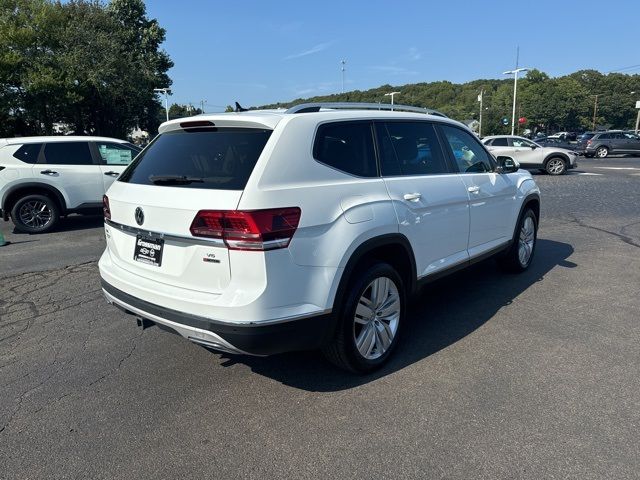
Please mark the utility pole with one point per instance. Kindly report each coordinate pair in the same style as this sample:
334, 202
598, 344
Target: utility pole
480, 126
595, 110
166, 92
391, 94
202, 102
342, 69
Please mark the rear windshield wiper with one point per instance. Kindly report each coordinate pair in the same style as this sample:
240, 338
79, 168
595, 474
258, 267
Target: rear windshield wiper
177, 179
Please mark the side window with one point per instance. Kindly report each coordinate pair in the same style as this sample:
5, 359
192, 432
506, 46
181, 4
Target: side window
28, 152
469, 155
116, 154
605, 136
618, 136
500, 142
521, 142
67, 153
346, 146
410, 148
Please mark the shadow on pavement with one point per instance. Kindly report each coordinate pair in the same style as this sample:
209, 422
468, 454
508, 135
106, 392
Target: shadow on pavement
438, 318
72, 223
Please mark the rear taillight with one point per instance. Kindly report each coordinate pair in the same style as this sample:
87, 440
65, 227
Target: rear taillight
248, 230
105, 207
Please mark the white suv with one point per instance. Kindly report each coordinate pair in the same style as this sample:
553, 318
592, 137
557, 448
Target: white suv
42, 178
268, 231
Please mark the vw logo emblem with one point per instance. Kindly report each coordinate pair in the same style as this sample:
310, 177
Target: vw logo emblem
139, 216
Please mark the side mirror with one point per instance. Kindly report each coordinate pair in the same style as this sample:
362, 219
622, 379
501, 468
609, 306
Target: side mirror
507, 165
534, 146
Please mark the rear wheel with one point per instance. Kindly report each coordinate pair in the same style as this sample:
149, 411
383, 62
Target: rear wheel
602, 152
35, 214
520, 254
556, 166
369, 320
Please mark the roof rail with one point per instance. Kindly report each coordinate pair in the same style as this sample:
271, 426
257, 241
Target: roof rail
317, 106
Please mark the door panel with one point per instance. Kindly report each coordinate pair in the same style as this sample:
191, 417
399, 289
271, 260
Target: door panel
429, 199
525, 153
433, 213
114, 158
492, 196
69, 167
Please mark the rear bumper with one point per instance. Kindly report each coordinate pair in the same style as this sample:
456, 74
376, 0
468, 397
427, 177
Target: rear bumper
304, 333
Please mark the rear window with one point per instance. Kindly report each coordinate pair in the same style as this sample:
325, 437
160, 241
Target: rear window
499, 142
28, 152
586, 136
213, 158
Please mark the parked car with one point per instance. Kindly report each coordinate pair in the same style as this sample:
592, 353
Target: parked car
567, 136
531, 155
44, 178
581, 144
264, 232
554, 142
602, 144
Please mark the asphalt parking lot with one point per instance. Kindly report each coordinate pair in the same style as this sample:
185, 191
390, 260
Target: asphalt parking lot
528, 376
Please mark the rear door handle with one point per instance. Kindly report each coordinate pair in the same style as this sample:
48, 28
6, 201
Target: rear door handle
474, 189
412, 197
48, 172
112, 173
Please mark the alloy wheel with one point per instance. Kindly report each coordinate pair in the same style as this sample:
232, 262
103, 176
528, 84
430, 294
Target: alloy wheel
526, 241
35, 214
377, 316
555, 166
602, 152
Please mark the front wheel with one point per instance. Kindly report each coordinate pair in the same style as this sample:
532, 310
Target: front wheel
369, 320
555, 166
520, 254
35, 214
602, 152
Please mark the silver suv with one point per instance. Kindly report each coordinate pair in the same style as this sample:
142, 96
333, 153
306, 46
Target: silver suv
530, 155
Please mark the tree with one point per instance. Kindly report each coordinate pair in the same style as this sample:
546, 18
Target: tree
90, 66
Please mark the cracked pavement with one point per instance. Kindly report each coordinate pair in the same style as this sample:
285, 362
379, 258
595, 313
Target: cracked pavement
527, 376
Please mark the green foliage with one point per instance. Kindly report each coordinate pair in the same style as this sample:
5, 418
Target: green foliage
178, 111
548, 104
82, 63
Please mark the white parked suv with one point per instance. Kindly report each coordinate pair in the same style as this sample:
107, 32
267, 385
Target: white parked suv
529, 154
269, 231
42, 178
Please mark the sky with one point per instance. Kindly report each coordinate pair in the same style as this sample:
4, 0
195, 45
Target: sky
260, 52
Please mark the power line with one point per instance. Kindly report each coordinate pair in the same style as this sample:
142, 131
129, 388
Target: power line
631, 67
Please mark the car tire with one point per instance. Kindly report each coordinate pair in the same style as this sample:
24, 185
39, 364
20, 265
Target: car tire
35, 214
602, 152
367, 331
555, 166
519, 256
